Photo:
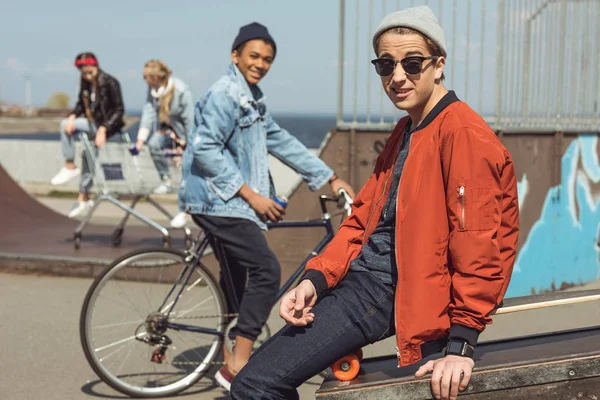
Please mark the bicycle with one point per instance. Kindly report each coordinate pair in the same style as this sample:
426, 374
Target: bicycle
164, 341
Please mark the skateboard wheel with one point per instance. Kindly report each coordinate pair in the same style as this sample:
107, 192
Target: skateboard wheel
346, 368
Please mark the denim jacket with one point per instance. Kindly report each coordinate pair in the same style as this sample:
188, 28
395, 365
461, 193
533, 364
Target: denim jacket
181, 111
229, 146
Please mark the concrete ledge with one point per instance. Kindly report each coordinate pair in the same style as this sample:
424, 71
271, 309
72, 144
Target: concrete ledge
52, 265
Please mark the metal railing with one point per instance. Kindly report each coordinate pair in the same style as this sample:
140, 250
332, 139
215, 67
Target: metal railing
524, 65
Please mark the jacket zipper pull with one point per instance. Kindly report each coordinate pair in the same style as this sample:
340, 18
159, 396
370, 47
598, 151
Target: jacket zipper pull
461, 195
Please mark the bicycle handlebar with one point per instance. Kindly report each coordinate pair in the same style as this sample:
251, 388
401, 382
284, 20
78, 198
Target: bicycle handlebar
343, 200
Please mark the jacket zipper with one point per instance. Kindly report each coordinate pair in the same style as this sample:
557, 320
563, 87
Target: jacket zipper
461, 195
397, 267
395, 252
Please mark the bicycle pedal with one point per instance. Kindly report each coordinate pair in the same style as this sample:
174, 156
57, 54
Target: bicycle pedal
158, 356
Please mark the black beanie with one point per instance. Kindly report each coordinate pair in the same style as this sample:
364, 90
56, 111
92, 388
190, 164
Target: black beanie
253, 31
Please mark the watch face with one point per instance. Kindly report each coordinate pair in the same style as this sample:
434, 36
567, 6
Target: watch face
455, 347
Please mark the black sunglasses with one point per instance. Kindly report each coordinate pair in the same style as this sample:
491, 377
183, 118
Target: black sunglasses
411, 65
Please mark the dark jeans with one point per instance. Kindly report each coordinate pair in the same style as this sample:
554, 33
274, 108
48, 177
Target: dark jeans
357, 312
255, 271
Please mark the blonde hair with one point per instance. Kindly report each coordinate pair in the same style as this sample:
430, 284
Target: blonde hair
159, 69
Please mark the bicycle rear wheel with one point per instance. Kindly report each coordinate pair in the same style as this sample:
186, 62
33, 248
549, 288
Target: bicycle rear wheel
146, 330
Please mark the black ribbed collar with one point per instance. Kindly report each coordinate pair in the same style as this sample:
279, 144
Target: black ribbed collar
448, 99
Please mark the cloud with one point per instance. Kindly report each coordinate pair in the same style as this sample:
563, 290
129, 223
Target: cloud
62, 67
14, 64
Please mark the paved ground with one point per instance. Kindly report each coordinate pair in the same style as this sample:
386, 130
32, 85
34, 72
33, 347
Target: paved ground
42, 357
41, 354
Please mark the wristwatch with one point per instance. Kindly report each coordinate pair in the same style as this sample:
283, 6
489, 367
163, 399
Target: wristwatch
458, 348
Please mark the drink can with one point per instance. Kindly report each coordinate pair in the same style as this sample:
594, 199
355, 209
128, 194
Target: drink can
133, 150
281, 200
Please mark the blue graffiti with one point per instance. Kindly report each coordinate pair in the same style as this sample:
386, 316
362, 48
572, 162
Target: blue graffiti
561, 247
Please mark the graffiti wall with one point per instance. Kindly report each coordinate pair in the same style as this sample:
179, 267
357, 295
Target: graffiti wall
559, 235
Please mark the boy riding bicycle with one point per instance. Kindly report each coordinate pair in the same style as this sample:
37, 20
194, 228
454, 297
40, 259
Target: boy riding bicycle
226, 184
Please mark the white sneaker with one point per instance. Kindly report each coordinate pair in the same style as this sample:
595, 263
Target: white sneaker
224, 378
179, 220
80, 207
65, 175
164, 188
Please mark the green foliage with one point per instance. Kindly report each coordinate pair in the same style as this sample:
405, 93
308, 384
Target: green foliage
59, 100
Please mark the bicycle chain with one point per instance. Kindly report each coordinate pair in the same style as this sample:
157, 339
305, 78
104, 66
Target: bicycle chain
198, 363
205, 316
194, 363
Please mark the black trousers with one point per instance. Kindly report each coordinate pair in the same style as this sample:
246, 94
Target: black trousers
255, 271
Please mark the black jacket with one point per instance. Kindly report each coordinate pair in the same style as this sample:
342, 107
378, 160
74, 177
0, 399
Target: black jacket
108, 109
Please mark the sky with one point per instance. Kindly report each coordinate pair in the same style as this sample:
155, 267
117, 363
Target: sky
41, 39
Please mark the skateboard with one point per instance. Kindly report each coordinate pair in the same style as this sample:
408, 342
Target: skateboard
348, 367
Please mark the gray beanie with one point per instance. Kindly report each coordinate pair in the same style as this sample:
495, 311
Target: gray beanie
420, 19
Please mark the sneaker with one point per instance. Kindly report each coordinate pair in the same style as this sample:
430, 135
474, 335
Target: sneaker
64, 175
164, 188
80, 207
179, 220
224, 378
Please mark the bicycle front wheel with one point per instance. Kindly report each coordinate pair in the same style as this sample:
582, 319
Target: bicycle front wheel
152, 324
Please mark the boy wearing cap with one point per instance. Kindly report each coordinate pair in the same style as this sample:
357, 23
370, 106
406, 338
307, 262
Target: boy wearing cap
428, 251
226, 185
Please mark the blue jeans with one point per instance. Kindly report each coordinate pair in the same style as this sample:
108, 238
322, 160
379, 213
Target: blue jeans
357, 312
157, 145
82, 125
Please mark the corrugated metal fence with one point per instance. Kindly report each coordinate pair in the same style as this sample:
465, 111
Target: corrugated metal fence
525, 65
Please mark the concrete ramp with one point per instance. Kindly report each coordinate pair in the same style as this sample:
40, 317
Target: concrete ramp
32, 235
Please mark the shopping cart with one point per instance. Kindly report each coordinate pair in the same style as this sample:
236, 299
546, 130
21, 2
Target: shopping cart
119, 175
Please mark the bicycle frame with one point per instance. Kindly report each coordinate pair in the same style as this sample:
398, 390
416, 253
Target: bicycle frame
325, 223
197, 250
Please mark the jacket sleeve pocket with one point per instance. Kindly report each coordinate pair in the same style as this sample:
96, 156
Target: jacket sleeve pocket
477, 205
